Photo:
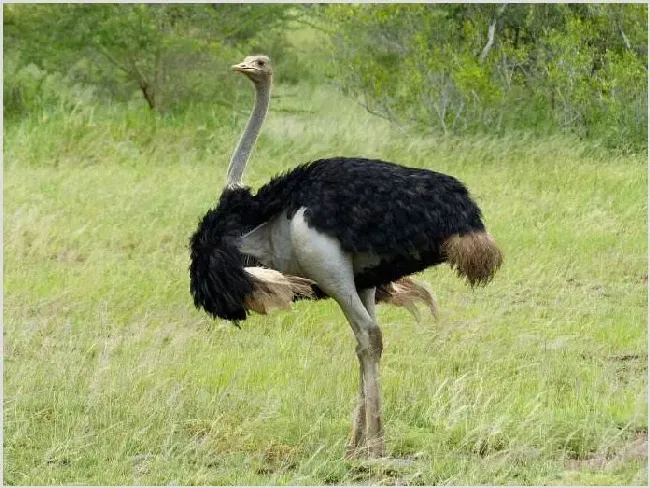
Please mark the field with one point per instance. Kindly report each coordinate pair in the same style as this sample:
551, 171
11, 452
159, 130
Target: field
112, 377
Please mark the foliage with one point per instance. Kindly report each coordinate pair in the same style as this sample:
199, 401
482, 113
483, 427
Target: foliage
448, 69
174, 54
456, 68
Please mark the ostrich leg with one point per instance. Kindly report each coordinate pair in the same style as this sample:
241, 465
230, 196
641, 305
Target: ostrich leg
358, 437
369, 360
369, 349
323, 261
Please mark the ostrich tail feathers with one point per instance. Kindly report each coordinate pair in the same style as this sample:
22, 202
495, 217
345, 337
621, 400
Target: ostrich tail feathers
274, 290
406, 292
474, 256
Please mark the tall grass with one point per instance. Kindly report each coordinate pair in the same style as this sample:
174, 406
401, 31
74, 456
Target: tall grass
112, 377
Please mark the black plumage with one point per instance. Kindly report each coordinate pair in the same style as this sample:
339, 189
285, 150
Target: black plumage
405, 215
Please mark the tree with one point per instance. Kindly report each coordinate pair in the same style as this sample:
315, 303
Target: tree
155, 47
458, 68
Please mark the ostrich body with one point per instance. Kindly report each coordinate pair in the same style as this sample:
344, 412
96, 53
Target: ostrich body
345, 228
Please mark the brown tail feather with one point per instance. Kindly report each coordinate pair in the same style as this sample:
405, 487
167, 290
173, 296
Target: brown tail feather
474, 256
406, 292
272, 290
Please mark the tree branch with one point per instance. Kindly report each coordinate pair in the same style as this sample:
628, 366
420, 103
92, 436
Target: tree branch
107, 54
627, 42
148, 92
491, 31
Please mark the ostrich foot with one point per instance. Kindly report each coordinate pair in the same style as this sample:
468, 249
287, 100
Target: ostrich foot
365, 450
360, 448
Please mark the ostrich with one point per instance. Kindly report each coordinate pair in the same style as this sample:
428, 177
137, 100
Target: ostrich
351, 229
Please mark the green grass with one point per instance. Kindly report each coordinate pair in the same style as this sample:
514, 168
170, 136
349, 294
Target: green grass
112, 376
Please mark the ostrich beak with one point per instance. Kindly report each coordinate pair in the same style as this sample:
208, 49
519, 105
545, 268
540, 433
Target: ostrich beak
240, 68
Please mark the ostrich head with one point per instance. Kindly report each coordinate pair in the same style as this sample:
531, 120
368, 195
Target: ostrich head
256, 68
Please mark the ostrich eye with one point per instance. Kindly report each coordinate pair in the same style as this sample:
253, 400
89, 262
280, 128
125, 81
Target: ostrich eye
260, 63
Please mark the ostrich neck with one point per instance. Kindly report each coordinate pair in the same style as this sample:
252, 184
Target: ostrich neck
247, 141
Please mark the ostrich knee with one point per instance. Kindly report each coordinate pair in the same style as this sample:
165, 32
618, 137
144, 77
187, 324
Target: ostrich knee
369, 346
369, 342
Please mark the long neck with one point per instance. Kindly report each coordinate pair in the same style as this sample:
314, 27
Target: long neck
248, 138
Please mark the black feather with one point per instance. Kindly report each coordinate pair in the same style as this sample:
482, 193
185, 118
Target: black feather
218, 281
402, 214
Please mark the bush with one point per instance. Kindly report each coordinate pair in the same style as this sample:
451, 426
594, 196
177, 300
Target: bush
454, 69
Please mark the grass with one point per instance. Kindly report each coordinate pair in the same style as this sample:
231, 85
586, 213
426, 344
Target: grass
112, 377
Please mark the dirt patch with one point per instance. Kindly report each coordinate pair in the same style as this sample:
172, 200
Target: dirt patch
629, 357
629, 366
635, 450
387, 472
